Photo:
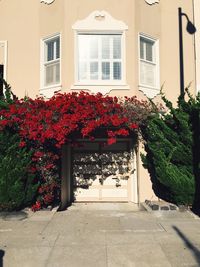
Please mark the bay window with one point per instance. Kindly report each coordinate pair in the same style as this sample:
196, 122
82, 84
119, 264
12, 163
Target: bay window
99, 58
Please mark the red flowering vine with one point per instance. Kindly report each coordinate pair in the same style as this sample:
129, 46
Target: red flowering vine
45, 125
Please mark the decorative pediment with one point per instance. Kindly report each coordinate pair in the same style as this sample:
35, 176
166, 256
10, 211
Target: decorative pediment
151, 2
47, 1
100, 20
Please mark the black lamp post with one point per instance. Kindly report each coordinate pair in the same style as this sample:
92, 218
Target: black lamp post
191, 30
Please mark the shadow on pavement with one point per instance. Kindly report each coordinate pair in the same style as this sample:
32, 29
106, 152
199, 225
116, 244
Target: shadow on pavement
2, 253
193, 249
15, 216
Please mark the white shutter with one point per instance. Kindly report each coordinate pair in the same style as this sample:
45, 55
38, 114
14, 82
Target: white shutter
52, 74
147, 74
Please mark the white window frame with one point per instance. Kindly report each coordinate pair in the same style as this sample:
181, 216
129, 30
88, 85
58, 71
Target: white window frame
100, 22
101, 82
150, 91
43, 63
4, 44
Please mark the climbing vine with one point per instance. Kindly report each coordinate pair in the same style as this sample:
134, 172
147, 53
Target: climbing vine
45, 125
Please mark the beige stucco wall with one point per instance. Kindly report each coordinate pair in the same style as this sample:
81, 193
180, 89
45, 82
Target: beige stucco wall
1, 54
170, 48
197, 42
19, 20
32, 20
24, 23
144, 181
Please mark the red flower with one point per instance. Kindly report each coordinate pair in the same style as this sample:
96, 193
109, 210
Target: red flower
38, 154
111, 133
49, 166
123, 132
36, 206
48, 199
111, 140
3, 123
134, 126
22, 144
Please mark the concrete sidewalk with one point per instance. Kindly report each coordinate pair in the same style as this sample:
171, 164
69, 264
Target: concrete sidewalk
100, 235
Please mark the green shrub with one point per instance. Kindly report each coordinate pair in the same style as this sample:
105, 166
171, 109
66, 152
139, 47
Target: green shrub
169, 154
17, 188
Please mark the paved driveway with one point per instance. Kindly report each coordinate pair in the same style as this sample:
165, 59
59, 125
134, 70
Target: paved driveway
100, 235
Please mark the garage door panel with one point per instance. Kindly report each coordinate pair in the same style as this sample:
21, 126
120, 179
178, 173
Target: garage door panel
100, 174
82, 182
115, 181
116, 157
109, 169
86, 157
114, 193
90, 169
82, 193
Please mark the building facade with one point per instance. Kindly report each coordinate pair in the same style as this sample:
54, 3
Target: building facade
116, 47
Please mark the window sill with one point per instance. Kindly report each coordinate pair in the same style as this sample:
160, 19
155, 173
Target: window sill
104, 89
50, 86
149, 91
49, 91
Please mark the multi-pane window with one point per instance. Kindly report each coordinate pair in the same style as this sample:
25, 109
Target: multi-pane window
52, 61
99, 57
148, 62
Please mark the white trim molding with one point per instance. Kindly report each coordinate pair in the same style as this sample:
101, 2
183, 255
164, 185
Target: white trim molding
99, 89
48, 2
151, 2
99, 21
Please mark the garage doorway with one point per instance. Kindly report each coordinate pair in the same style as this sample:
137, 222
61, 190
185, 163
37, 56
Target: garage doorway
102, 173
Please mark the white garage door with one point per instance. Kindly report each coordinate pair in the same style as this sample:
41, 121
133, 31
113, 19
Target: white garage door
101, 173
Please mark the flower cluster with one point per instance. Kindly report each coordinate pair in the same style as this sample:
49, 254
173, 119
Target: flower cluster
57, 119
46, 167
45, 125
36, 206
